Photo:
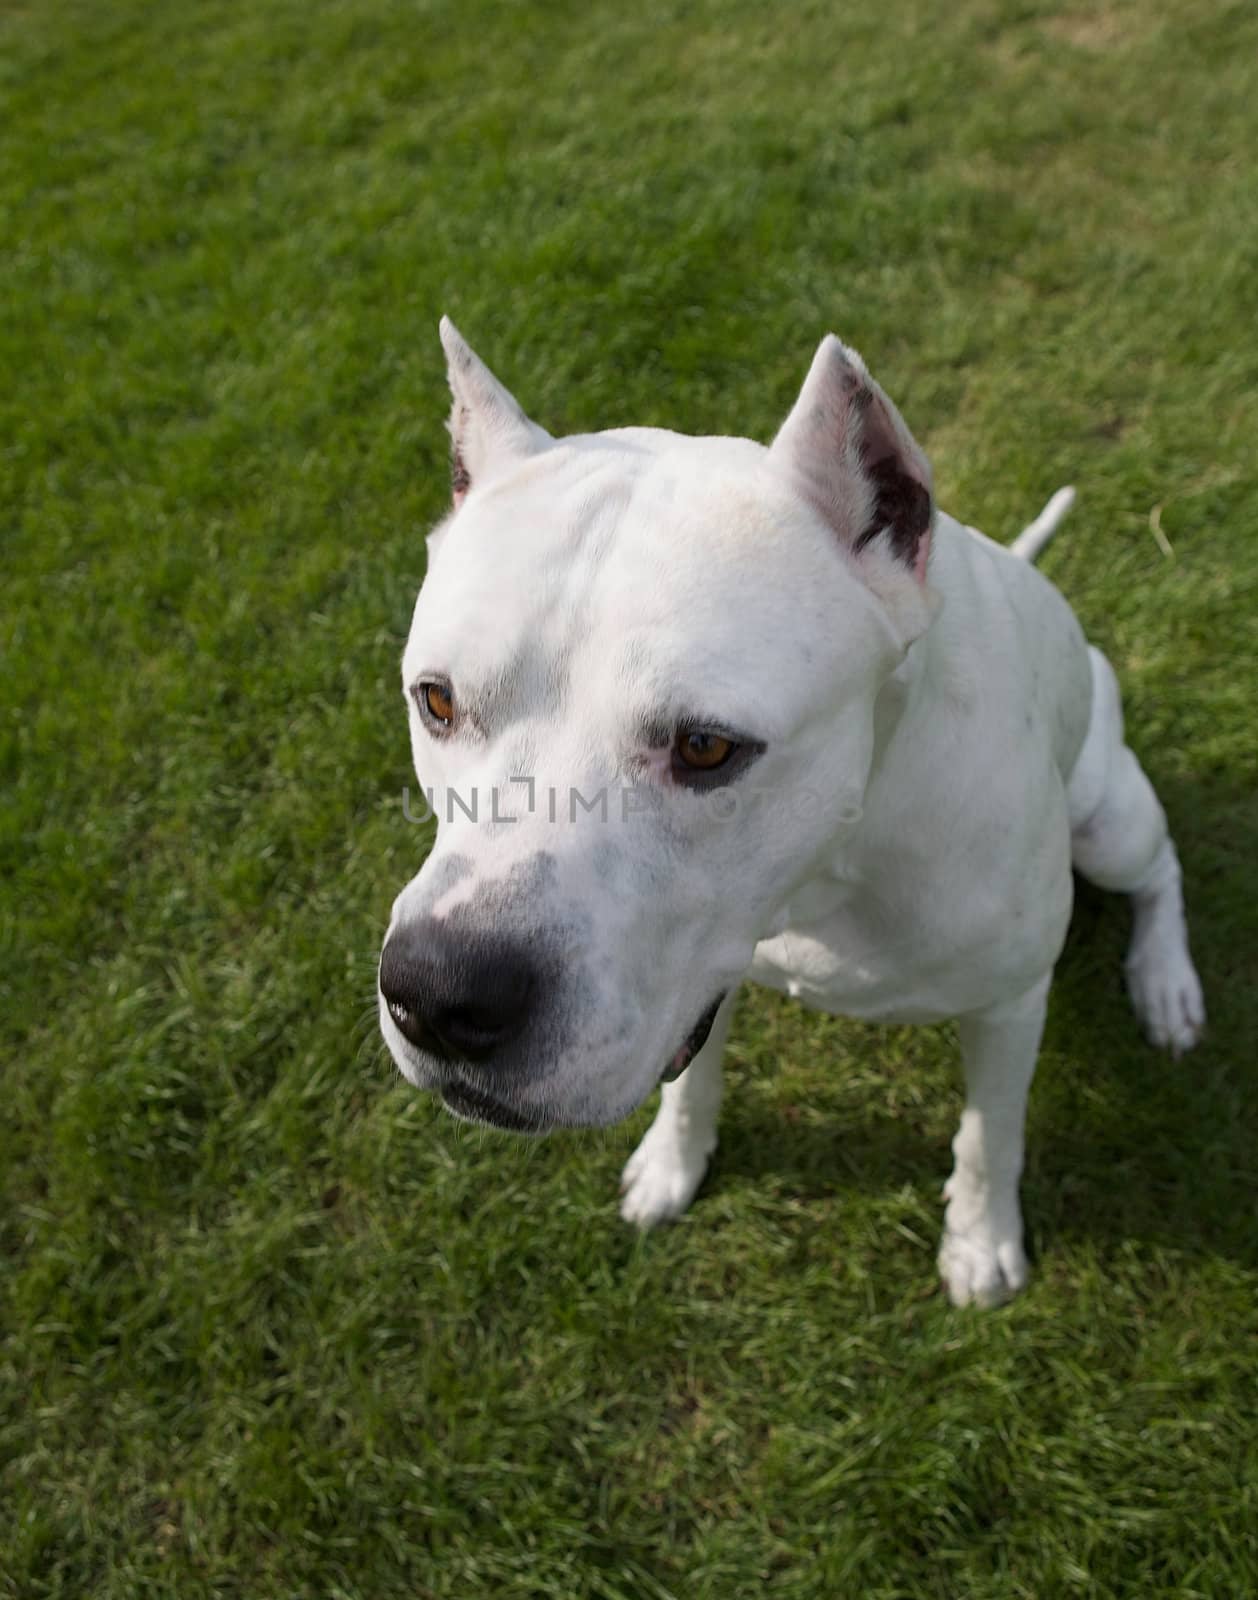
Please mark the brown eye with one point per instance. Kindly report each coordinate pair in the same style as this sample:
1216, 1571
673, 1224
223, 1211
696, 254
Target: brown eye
703, 752
437, 699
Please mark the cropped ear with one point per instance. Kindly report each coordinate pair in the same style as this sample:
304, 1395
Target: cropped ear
488, 428
850, 454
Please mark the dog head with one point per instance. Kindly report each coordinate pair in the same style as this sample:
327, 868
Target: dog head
640, 680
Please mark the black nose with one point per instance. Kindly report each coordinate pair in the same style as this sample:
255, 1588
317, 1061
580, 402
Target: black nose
458, 995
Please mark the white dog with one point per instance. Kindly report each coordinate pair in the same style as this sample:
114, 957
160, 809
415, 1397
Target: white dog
693, 710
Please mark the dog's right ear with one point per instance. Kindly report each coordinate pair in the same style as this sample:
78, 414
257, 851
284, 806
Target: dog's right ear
488, 428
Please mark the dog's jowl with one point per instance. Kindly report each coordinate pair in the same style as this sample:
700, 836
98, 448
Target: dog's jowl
696, 710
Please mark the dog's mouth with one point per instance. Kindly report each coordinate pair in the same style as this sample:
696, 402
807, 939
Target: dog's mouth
474, 1105
695, 1041
477, 1105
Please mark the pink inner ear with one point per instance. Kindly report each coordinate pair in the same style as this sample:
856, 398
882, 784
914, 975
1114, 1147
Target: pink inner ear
923, 555
900, 478
856, 460
901, 510
460, 480
879, 438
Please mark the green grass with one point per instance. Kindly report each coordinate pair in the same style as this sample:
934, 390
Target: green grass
272, 1324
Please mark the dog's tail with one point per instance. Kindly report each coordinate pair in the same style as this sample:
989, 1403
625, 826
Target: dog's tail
1036, 534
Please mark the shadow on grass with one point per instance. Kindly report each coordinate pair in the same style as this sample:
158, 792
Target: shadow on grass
1124, 1143
823, 1156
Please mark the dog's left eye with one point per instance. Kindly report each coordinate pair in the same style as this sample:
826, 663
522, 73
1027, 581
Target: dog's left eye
699, 751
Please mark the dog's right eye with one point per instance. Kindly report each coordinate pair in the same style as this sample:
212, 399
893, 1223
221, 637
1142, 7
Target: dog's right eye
436, 703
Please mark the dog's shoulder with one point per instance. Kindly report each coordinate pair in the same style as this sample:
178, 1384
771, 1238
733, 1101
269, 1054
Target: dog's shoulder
1010, 635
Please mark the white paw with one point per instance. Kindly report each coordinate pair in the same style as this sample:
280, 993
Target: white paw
1165, 990
982, 1267
660, 1177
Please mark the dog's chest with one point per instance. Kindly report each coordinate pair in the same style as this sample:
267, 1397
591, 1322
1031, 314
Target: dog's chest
914, 950
852, 963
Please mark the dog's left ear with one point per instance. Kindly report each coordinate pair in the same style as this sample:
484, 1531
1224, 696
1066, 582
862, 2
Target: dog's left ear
488, 427
852, 457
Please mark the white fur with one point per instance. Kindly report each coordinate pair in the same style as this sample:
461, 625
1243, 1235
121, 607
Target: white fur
1035, 536
940, 745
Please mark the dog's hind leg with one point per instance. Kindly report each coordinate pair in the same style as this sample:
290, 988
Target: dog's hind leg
661, 1176
981, 1258
1119, 840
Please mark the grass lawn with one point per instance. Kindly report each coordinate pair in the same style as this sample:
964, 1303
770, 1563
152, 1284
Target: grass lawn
271, 1324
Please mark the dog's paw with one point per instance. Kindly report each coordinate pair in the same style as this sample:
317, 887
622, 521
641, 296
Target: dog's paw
660, 1178
982, 1268
1166, 992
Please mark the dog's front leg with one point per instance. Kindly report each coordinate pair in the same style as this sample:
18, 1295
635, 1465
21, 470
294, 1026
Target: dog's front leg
662, 1174
981, 1257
